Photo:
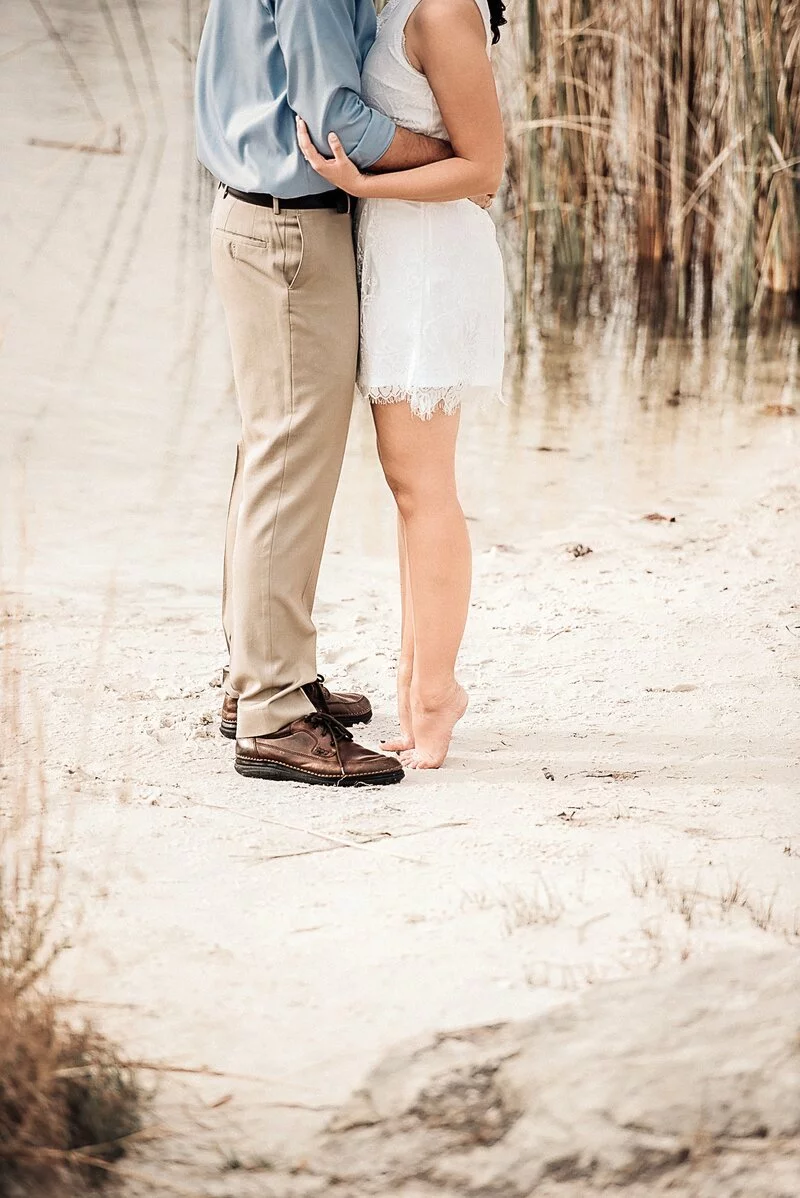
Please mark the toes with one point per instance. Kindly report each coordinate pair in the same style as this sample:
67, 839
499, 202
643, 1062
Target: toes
414, 760
403, 745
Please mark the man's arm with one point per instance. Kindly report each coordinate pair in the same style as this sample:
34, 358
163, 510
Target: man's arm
318, 42
409, 149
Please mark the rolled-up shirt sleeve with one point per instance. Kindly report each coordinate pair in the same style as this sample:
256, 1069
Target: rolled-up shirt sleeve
318, 43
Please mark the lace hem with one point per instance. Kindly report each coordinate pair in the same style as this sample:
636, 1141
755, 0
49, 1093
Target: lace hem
425, 401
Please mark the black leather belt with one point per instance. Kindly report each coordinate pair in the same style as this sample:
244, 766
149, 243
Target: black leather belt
338, 200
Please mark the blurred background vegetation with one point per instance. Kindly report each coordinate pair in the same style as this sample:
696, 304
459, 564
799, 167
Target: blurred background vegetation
660, 133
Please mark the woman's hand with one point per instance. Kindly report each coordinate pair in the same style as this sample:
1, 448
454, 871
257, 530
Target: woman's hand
339, 170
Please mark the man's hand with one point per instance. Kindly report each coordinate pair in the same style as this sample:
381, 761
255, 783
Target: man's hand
339, 170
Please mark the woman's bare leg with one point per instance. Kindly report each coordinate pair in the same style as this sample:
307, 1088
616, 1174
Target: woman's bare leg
418, 459
405, 664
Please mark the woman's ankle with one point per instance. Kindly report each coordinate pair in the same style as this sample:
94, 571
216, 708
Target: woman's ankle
432, 696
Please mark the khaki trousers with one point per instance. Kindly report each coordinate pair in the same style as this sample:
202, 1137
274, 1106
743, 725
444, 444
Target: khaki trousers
288, 287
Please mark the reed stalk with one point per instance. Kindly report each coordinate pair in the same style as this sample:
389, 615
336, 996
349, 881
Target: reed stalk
659, 132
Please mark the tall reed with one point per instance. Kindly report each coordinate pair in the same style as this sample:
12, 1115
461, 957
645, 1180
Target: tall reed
658, 132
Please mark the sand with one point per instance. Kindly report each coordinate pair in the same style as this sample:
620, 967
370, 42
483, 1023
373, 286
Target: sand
623, 792
622, 795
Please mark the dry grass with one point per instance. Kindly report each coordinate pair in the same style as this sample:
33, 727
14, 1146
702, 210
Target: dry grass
67, 1102
538, 906
698, 902
651, 877
657, 133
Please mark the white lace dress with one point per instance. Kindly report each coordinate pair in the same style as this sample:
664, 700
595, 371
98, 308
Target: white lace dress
431, 275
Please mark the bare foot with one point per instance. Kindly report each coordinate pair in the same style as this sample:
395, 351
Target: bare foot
399, 744
405, 740
433, 729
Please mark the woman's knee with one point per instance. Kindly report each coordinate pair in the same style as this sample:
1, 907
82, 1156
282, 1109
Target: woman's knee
416, 491
416, 479
404, 487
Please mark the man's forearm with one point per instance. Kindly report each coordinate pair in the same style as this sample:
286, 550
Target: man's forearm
408, 150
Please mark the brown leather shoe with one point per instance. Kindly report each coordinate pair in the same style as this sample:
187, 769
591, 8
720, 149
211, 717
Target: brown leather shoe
347, 709
318, 750
230, 708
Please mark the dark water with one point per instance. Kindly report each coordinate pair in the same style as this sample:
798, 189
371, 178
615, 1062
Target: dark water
114, 377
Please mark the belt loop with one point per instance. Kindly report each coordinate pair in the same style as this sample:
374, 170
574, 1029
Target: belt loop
225, 192
276, 205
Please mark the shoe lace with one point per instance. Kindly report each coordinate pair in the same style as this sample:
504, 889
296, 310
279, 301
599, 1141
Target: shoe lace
337, 731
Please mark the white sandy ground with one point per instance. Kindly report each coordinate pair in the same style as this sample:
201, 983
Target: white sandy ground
655, 680
221, 922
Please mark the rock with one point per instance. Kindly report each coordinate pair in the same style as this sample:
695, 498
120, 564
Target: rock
639, 1083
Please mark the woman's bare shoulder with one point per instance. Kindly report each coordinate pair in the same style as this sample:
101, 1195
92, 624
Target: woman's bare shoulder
435, 18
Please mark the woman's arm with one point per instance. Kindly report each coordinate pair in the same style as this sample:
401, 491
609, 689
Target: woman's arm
448, 39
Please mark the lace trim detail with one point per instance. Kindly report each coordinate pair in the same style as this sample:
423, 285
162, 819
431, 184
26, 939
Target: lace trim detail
425, 401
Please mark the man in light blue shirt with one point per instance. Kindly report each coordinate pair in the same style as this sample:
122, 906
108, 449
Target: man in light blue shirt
263, 62
282, 254
259, 64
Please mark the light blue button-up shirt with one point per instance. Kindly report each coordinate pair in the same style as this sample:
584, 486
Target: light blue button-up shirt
260, 63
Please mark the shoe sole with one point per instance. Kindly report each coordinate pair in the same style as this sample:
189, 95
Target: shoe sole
228, 727
285, 773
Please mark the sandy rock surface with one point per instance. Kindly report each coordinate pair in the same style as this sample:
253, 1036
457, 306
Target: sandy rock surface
623, 1087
